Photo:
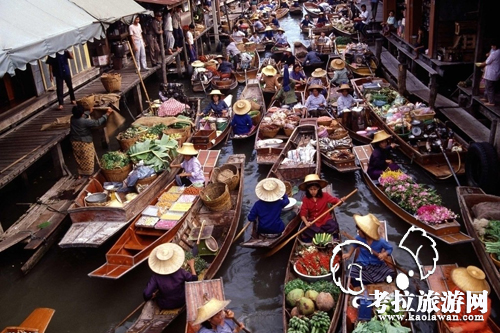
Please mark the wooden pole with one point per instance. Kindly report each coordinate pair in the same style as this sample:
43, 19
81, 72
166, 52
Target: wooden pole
402, 69
163, 60
493, 131
215, 21
433, 90
479, 56
138, 72
378, 48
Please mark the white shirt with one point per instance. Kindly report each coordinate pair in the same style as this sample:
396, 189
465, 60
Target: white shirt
492, 69
136, 32
168, 23
232, 50
325, 40
314, 102
238, 36
365, 16
344, 102
255, 39
190, 39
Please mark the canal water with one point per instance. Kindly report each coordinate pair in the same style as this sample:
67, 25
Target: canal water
253, 283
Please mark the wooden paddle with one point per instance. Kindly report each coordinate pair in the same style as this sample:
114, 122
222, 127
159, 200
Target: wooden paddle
199, 235
241, 232
238, 323
279, 247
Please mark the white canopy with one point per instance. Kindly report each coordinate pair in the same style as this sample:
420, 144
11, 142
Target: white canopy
110, 11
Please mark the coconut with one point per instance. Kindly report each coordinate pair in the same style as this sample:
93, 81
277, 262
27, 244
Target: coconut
325, 301
294, 296
306, 306
312, 294
295, 312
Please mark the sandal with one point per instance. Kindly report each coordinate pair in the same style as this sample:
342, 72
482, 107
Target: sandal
60, 107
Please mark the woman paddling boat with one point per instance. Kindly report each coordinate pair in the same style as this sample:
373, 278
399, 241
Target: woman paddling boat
213, 318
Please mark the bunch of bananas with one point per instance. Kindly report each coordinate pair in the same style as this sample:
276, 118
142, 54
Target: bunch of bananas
298, 325
322, 239
320, 322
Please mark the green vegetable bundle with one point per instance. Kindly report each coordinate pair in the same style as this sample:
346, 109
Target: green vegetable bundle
157, 129
319, 286
320, 322
493, 229
385, 326
199, 263
296, 284
114, 160
156, 153
342, 40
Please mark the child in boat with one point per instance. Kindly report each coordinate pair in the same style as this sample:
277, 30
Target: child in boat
168, 277
213, 318
314, 204
267, 210
379, 161
373, 267
242, 122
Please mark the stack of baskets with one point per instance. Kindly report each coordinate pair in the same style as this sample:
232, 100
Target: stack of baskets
216, 197
288, 131
117, 175
226, 174
112, 81
86, 102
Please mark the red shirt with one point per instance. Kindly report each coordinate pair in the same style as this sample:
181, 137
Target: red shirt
312, 209
472, 326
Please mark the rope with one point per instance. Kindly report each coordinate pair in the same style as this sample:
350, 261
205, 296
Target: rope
459, 167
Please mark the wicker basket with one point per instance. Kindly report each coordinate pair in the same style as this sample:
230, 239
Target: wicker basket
141, 184
117, 175
226, 174
338, 134
86, 102
289, 188
223, 84
325, 123
255, 106
269, 131
125, 144
216, 197
111, 82
422, 117
288, 131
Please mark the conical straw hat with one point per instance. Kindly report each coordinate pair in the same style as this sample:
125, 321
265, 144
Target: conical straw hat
242, 107
380, 136
368, 224
198, 63
318, 72
215, 92
337, 64
312, 178
344, 86
210, 309
470, 279
187, 149
269, 70
166, 258
270, 189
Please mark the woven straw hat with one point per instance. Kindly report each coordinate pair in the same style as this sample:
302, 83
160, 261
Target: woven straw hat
254, 17
288, 50
318, 72
281, 29
187, 149
269, 70
268, 28
470, 279
242, 107
219, 56
270, 189
337, 64
166, 258
315, 86
215, 92
313, 178
368, 224
198, 63
380, 136
210, 309
344, 86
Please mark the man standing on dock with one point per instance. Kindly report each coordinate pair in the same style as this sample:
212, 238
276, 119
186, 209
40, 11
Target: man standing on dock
491, 74
169, 33
59, 68
154, 42
135, 31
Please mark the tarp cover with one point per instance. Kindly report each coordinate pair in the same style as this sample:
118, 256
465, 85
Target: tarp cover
33, 29
110, 11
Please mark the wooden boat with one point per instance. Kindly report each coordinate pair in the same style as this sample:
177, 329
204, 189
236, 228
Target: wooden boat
433, 162
341, 8
292, 275
201, 82
339, 48
242, 76
360, 61
322, 48
210, 139
136, 243
253, 92
311, 31
440, 281
340, 30
199, 292
36, 322
347, 324
299, 51
312, 9
281, 12
468, 197
448, 232
294, 10
225, 84
293, 174
151, 320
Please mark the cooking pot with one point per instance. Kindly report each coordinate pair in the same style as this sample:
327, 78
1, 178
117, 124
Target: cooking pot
96, 198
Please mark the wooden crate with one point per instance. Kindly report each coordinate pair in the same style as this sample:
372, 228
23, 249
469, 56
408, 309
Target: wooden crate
203, 136
465, 27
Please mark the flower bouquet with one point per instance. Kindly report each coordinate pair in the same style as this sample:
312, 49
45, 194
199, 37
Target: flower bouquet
433, 214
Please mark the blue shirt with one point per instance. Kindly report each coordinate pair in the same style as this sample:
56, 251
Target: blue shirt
297, 75
269, 215
268, 34
227, 327
311, 58
365, 257
217, 108
344, 102
306, 23
275, 22
60, 65
322, 19
225, 67
281, 39
241, 124
170, 288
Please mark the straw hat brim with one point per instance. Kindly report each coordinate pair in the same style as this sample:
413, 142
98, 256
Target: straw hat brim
208, 310
318, 73
216, 92
315, 86
338, 65
269, 71
268, 28
187, 149
169, 266
380, 136
269, 196
242, 107
368, 224
311, 179
344, 87
198, 63
470, 279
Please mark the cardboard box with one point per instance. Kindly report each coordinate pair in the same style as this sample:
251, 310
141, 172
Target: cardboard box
100, 60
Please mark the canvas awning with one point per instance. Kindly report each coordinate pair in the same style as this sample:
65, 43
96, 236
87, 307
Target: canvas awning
110, 11
168, 3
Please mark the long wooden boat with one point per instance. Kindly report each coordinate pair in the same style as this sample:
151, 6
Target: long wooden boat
312, 9
243, 76
199, 85
348, 325
151, 319
291, 275
281, 12
344, 165
253, 92
361, 62
448, 232
197, 294
468, 197
340, 30
433, 162
341, 8
322, 48
327, 28
136, 243
36, 322
299, 51
294, 10
294, 174
440, 281
224, 84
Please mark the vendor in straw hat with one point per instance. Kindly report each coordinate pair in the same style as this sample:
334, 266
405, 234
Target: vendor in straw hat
274, 21
287, 90
268, 34
213, 318
287, 58
242, 122
257, 24
267, 210
322, 20
225, 67
168, 277
380, 159
281, 40
298, 74
314, 204
193, 172
270, 80
345, 101
470, 279
217, 106
315, 100
374, 268
255, 38
318, 76
340, 73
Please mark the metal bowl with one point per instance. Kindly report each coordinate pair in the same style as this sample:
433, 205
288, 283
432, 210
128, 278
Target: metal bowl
290, 205
97, 197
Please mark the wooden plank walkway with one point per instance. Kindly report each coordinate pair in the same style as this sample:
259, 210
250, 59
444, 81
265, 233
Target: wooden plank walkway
472, 127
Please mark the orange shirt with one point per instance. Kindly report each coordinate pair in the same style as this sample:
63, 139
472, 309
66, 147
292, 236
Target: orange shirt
472, 326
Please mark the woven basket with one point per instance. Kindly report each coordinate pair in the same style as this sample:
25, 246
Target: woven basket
325, 123
338, 134
117, 175
141, 184
288, 131
288, 187
111, 82
255, 119
227, 174
255, 106
125, 144
269, 132
86, 102
216, 197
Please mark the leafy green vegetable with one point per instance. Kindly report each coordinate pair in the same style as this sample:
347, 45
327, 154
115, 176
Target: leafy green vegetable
327, 287
493, 229
157, 129
199, 263
114, 160
156, 153
296, 284
385, 326
342, 40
